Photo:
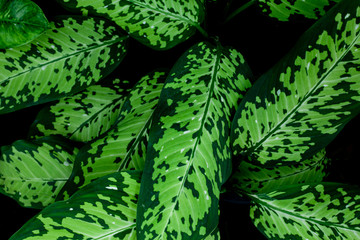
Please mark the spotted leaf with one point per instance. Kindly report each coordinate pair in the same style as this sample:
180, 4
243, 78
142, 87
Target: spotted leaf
123, 147
159, 24
318, 212
21, 21
255, 179
284, 9
74, 53
33, 172
84, 116
188, 155
105, 209
297, 107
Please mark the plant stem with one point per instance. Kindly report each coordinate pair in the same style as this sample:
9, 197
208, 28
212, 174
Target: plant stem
202, 31
239, 10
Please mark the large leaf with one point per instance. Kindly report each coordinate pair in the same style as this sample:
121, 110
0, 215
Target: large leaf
33, 172
255, 179
67, 58
84, 116
284, 9
159, 24
21, 21
105, 209
123, 147
188, 156
297, 107
318, 212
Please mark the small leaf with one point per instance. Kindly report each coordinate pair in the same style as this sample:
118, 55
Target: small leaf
33, 172
73, 54
316, 212
160, 24
124, 146
105, 209
284, 9
21, 21
188, 156
84, 116
300, 105
255, 179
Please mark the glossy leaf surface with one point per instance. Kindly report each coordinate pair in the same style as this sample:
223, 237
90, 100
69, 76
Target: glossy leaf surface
188, 157
297, 107
105, 209
84, 116
124, 147
255, 179
67, 58
159, 24
319, 212
33, 172
284, 9
21, 21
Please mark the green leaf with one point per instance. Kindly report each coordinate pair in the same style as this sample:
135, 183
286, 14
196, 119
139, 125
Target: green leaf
123, 147
188, 156
33, 172
67, 58
284, 9
21, 21
318, 212
297, 107
84, 116
105, 209
254, 179
159, 24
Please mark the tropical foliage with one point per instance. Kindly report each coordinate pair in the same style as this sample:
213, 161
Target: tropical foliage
151, 158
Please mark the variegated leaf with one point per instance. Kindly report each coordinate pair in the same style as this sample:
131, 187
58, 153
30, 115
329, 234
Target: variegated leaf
325, 211
21, 22
74, 53
33, 172
84, 116
188, 156
215, 235
123, 147
255, 179
105, 209
159, 24
284, 9
297, 107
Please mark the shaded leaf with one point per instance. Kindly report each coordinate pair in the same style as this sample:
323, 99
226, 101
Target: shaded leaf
255, 179
318, 211
159, 24
67, 58
21, 21
84, 116
105, 209
188, 156
297, 107
33, 172
123, 147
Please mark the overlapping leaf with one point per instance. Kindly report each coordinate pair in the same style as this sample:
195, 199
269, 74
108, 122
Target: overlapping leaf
284, 9
84, 116
160, 24
188, 157
123, 147
254, 179
34, 172
318, 212
298, 107
21, 21
105, 209
67, 58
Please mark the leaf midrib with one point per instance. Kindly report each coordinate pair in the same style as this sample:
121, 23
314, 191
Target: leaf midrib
262, 203
20, 22
305, 98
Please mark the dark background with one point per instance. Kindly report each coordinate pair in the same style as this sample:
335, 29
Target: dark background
262, 40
